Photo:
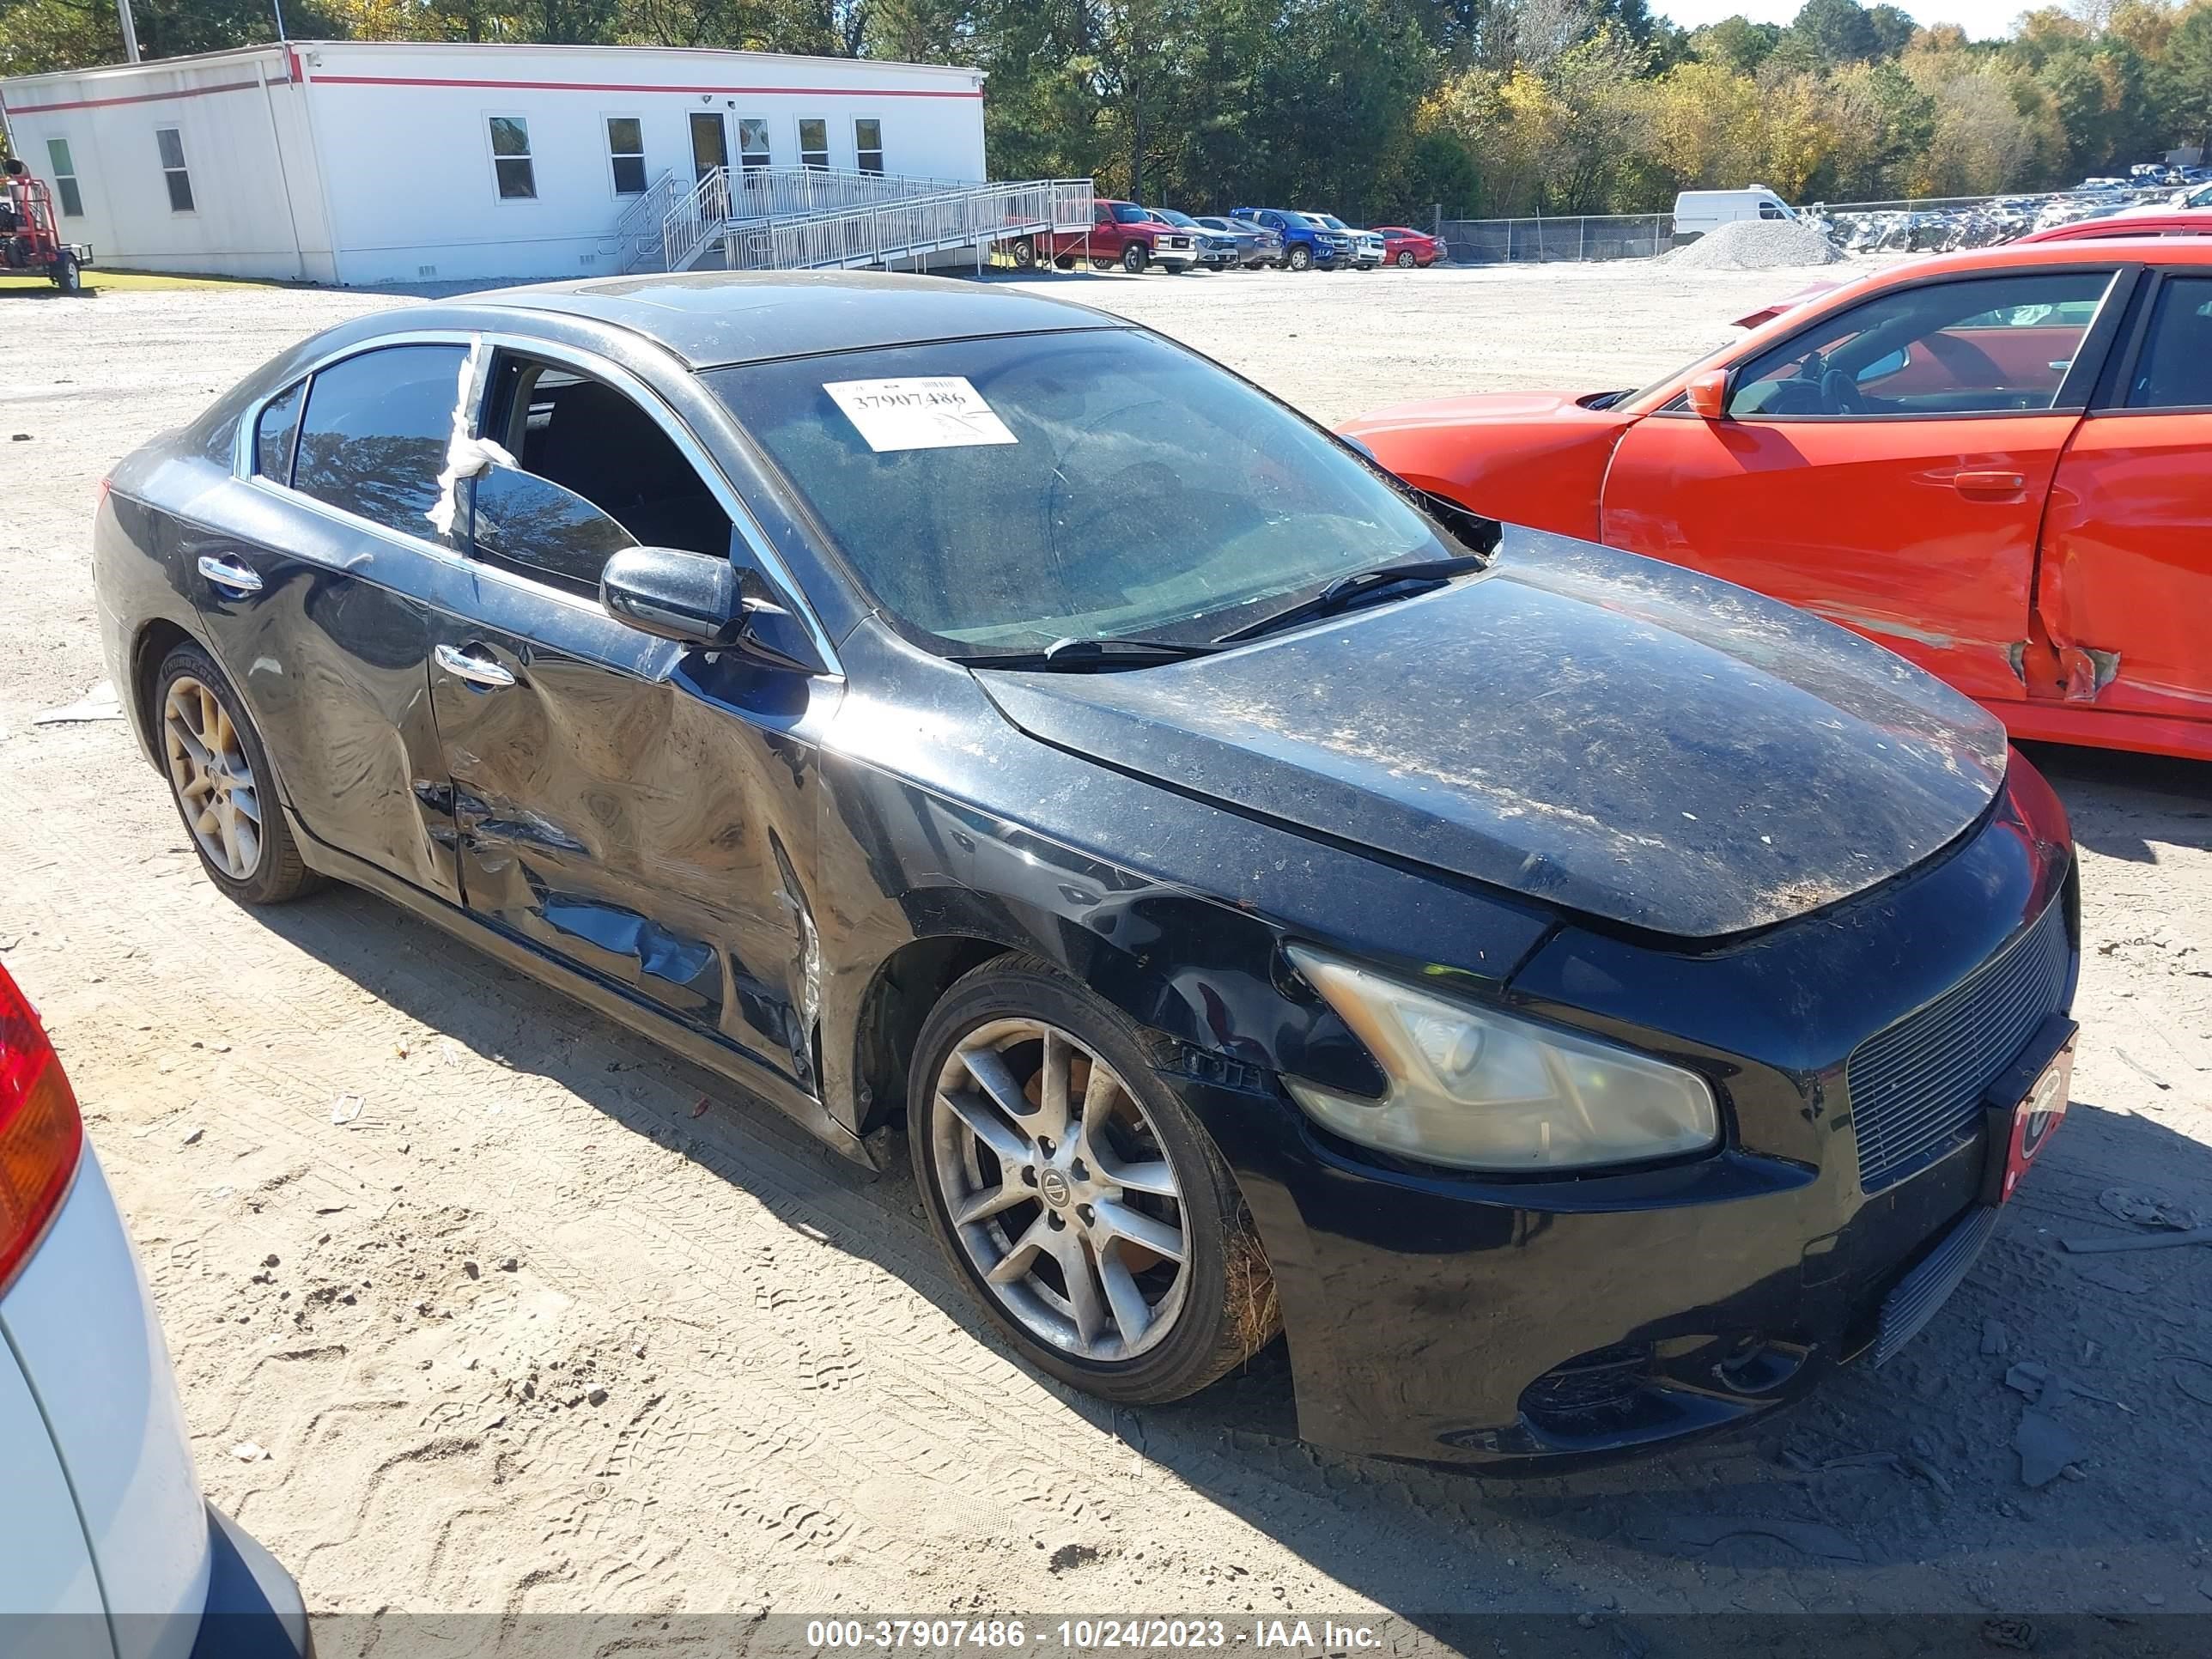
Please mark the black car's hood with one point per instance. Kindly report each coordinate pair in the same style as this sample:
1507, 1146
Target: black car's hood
1612, 735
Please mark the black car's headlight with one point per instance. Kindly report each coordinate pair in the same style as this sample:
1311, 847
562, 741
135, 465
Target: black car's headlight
1479, 1090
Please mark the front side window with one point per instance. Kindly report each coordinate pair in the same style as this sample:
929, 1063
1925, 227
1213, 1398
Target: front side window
274, 432
511, 160
867, 143
374, 438
170, 143
626, 154
1978, 346
598, 474
813, 142
752, 141
2175, 370
65, 185
1083, 485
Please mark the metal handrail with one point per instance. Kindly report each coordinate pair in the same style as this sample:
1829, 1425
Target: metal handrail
965, 214
639, 225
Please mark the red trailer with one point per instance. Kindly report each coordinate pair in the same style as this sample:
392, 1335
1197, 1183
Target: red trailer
29, 240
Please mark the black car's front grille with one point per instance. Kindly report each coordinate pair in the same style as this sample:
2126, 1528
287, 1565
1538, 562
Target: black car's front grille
1917, 1085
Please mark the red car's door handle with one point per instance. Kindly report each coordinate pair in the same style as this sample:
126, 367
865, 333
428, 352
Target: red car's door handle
1989, 483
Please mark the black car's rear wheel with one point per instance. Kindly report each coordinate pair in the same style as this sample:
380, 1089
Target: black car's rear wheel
219, 777
1077, 1196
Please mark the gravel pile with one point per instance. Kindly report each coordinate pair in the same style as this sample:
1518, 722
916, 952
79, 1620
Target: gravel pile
1757, 244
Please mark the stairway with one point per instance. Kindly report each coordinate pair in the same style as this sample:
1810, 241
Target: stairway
815, 219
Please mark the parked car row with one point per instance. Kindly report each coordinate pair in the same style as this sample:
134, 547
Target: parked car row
1138, 238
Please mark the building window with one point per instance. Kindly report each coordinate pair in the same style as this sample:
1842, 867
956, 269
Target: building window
813, 142
868, 144
172, 168
752, 141
510, 159
626, 149
72, 200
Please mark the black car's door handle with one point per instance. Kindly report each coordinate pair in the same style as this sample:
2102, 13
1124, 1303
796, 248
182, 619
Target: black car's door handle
474, 665
232, 578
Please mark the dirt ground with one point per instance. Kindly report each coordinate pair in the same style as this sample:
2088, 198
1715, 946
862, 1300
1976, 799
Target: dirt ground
480, 1303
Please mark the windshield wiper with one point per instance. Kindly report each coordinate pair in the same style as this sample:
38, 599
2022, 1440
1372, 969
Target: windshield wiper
1077, 654
1347, 589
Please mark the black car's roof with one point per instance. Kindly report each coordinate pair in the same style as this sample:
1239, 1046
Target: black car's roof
712, 319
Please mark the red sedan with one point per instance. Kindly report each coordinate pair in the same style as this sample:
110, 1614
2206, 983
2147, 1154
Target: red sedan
1994, 463
2167, 221
1403, 245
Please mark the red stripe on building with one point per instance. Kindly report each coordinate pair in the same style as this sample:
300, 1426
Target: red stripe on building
617, 86
142, 97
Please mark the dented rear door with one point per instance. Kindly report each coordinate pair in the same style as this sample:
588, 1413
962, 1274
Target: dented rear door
639, 810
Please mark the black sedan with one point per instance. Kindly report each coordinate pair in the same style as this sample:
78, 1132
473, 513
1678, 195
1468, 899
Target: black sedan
1576, 1001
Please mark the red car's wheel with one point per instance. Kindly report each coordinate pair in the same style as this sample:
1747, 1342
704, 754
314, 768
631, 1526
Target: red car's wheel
1406, 260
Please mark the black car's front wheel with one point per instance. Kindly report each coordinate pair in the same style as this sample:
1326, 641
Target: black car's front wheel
219, 776
1078, 1198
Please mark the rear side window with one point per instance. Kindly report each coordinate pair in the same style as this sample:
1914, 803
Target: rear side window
274, 432
2175, 371
1981, 346
374, 439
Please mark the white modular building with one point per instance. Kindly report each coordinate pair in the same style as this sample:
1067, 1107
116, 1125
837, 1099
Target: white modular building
357, 162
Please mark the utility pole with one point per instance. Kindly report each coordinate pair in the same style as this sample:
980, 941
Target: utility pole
130, 30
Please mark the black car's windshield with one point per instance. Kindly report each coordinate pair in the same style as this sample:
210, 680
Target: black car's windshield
1000, 495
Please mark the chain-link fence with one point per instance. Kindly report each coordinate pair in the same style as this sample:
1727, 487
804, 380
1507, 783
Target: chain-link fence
1541, 241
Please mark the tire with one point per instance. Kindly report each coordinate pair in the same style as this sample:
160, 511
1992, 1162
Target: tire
1098, 264
1134, 257
1299, 258
1025, 252
1063, 262
1193, 1320
189, 690
1406, 260
68, 276
1173, 269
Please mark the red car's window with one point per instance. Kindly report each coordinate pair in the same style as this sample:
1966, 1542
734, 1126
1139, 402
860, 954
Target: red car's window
1977, 346
2176, 369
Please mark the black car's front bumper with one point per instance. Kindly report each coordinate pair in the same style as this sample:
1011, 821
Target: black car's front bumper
1530, 1321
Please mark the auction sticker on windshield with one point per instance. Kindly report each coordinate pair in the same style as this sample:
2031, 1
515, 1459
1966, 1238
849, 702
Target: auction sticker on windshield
939, 411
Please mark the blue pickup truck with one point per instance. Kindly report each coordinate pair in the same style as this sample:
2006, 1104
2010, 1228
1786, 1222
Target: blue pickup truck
1306, 241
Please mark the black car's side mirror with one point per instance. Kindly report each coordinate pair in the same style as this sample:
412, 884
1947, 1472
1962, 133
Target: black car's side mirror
696, 599
686, 597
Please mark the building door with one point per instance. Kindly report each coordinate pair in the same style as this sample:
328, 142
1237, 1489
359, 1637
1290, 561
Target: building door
710, 144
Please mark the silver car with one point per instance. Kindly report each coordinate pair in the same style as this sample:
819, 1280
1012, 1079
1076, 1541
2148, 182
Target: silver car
1257, 245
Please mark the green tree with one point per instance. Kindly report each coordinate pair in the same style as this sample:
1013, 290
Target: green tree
1837, 32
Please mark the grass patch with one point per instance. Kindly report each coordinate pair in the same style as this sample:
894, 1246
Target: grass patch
126, 281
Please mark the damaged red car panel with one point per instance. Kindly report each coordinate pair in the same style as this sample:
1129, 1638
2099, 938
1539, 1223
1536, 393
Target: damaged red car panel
1991, 463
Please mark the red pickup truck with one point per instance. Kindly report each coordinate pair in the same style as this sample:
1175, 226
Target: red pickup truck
1122, 233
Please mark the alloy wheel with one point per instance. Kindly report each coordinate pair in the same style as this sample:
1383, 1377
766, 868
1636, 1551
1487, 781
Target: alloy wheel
212, 776
1060, 1190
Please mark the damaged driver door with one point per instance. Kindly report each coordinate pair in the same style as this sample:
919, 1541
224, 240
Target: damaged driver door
637, 808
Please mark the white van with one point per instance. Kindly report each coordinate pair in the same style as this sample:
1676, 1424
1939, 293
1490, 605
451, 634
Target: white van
1696, 211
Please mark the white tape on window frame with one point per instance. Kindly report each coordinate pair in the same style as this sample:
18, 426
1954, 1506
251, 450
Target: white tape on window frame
466, 454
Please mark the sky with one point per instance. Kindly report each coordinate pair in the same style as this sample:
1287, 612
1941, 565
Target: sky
1983, 19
